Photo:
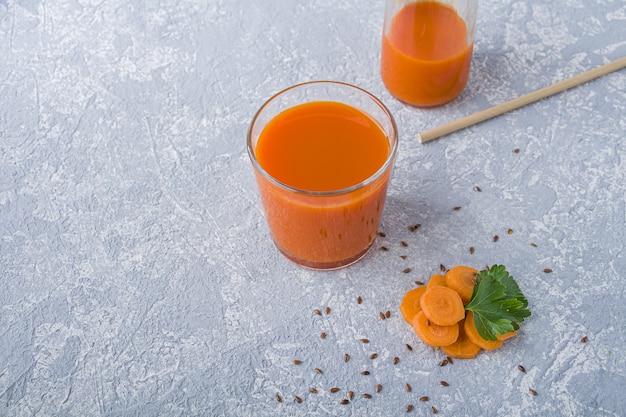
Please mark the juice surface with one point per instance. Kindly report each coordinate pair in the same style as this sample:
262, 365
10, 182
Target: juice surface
322, 146
425, 57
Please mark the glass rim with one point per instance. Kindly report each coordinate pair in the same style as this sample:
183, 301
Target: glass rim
375, 176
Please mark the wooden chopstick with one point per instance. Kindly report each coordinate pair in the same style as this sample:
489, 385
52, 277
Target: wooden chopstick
521, 101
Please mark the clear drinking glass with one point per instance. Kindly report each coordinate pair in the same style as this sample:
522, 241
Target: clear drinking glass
427, 49
322, 228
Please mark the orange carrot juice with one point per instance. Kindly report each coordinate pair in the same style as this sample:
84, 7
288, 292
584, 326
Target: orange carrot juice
322, 188
426, 54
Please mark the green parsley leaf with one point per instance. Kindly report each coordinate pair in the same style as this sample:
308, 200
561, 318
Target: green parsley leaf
497, 303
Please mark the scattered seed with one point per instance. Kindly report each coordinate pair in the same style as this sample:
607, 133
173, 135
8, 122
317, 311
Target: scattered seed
379, 388
359, 300
382, 315
434, 410
442, 268
345, 401
323, 335
407, 387
384, 248
382, 234
297, 362
532, 391
366, 395
510, 231
534, 245
365, 340
477, 188
495, 238
403, 257
346, 357
350, 395
427, 322
396, 360
409, 408
406, 270
298, 399
444, 383
521, 368
547, 270
443, 362
456, 208
318, 370
414, 227
365, 372
279, 398
387, 314
424, 398
313, 390
584, 339
450, 360
318, 312
409, 347
327, 311
516, 150
334, 390
373, 355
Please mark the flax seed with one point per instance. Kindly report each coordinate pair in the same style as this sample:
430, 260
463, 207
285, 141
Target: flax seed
379, 388
414, 227
334, 390
373, 355
532, 244
297, 362
532, 391
387, 314
424, 398
547, 270
471, 250
384, 248
396, 360
407, 387
365, 372
495, 238
366, 395
456, 208
450, 360
327, 311
477, 188
409, 408
443, 362
297, 399
403, 243
406, 270
365, 340
510, 231
313, 390
444, 383
382, 316
318, 370
403, 257
382, 234
409, 347
419, 283
323, 335
521, 368
442, 268
345, 401
516, 150
279, 398
434, 410
359, 300
346, 357
584, 339
350, 395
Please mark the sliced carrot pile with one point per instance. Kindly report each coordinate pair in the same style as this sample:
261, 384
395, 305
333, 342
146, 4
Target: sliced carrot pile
462, 279
438, 316
442, 305
432, 334
410, 304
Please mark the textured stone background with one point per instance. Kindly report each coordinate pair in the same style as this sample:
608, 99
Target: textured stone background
137, 276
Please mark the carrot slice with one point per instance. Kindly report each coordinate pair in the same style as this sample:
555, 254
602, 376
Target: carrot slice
442, 305
462, 279
433, 335
505, 336
410, 304
437, 279
463, 348
472, 333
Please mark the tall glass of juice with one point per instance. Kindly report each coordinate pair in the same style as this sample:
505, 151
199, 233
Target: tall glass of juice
427, 49
322, 154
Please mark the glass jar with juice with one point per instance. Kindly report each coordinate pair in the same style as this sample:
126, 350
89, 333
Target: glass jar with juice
427, 49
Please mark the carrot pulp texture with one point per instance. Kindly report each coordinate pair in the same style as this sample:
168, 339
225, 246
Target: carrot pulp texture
322, 146
425, 55
437, 279
462, 279
463, 348
432, 334
442, 305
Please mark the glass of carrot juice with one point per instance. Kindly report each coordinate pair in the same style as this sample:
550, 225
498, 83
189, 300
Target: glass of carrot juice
322, 154
427, 49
